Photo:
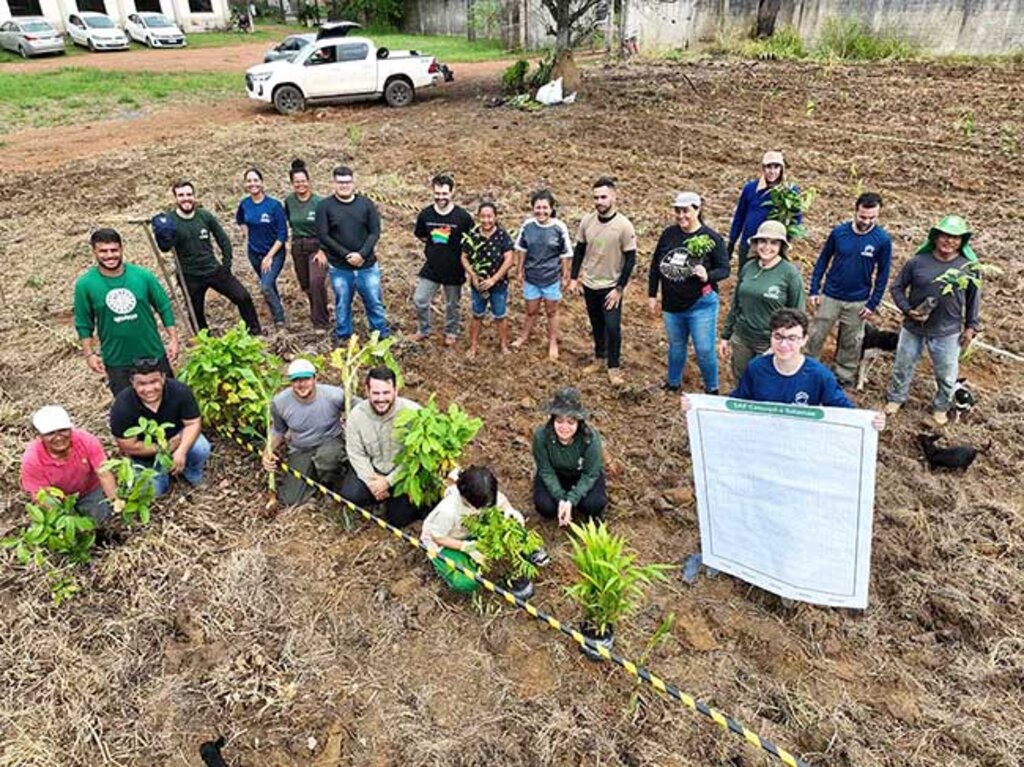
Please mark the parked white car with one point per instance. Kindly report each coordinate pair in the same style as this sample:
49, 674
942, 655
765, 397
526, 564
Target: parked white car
96, 31
154, 30
334, 68
30, 36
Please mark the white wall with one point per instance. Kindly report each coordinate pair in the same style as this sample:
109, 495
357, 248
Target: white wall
57, 12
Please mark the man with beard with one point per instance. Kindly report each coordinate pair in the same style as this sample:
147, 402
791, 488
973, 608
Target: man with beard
70, 460
372, 447
855, 264
605, 253
195, 229
117, 301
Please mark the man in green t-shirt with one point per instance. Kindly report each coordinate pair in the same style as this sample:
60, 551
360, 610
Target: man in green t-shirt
116, 301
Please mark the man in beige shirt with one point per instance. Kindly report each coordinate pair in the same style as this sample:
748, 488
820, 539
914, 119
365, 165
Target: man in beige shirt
603, 261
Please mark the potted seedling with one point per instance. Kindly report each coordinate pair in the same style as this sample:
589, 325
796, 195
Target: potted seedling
507, 548
432, 441
609, 584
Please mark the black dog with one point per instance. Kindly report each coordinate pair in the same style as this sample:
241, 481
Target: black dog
210, 753
958, 457
876, 343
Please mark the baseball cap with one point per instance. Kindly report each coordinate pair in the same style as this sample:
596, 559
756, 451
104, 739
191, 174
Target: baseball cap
687, 199
301, 368
773, 158
51, 418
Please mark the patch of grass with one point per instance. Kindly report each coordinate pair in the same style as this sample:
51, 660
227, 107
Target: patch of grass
849, 39
445, 49
784, 45
74, 94
69, 50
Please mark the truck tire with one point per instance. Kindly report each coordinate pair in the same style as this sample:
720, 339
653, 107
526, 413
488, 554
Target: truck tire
288, 100
398, 93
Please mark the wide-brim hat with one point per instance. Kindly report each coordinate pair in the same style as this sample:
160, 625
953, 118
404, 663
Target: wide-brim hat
771, 230
954, 226
566, 402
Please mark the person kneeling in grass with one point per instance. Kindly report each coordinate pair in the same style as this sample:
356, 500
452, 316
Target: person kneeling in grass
475, 489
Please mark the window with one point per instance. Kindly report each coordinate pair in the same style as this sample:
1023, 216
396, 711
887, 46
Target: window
200, 6
148, 5
25, 8
326, 55
353, 51
97, 6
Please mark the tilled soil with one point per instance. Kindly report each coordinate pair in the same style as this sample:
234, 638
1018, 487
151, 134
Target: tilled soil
305, 643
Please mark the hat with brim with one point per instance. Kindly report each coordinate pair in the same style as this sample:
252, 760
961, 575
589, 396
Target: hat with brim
51, 418
686, 200
773, 158
566, 402
771, 230
954, 226
301, 368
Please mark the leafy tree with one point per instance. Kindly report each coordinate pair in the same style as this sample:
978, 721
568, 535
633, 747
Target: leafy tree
570, 17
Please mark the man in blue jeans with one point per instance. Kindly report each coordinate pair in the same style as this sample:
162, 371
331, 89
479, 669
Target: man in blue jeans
938, 314
167, 401
348, 227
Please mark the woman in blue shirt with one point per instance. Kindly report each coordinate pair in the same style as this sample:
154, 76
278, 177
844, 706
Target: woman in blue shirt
265, 230
754, 205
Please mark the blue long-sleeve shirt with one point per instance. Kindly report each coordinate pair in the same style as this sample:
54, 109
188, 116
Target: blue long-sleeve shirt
752, 210
859, 267
266, 221
813, 384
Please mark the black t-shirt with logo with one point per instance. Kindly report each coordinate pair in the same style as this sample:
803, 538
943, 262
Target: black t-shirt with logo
487, 253
177, 406
672, 266
443, 235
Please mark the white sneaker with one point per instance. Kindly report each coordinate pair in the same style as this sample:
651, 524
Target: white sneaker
892, 408
940, 418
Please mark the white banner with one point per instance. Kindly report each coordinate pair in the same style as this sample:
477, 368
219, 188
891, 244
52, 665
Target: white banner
785, 496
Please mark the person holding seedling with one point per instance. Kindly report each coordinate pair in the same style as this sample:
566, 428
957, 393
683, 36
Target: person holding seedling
168, 402
264, 228
605, 255
309, 260
765, 285
688, 262
567, 452
307, 417
191, 230
372, 447
938, 292
117, 301
544, 256
754, 205
487, 258
473, 490
854, 264
70, 460
442, 228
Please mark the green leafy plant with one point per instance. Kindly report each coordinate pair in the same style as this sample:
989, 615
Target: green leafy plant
542, 75
786, 202
785, 44
965, 123
352, 359
136, 490
54, 528
153, 434
504, 543
700, 246
851, 39
972, 274
432, 442
513, 79
610, 584
659, 637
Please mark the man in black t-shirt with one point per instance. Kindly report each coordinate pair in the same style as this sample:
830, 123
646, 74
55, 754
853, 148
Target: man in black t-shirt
441, 227
167, 401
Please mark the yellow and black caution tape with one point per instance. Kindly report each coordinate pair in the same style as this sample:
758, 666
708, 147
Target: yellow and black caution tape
393, 202
640, 672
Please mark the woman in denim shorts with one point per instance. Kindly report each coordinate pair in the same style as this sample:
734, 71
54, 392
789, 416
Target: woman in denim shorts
487, 257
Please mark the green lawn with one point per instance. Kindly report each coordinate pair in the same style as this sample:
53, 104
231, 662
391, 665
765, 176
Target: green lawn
75, 94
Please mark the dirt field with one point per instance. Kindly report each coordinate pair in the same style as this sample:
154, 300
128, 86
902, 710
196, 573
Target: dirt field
308, 645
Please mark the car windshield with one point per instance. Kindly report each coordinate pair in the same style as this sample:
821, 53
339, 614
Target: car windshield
99, 22
157, 21
36, 26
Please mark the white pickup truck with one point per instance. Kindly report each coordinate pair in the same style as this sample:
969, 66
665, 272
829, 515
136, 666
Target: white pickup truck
336, 67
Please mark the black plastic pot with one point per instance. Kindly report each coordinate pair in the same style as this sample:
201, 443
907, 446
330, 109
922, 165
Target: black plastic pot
520, 587
605, 640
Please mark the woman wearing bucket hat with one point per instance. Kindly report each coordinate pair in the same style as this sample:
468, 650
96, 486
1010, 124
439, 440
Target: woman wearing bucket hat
941, 320
568, 453
765, 285
687, 264
752, 207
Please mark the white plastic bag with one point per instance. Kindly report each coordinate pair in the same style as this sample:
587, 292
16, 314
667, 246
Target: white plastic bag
551, 93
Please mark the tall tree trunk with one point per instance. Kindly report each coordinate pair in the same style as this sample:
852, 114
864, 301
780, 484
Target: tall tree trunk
470, 21
767, 13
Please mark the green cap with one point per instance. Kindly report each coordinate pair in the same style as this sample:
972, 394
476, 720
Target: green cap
955, 226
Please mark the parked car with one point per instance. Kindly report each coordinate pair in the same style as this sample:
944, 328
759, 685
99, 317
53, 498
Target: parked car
289, 47
30, 36
340, 68
96, 31
154, 30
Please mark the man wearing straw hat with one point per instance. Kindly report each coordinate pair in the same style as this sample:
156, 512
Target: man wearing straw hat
938, 314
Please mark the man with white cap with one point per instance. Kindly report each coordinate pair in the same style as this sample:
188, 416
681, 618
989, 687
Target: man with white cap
70, 460
308, 417
754, 204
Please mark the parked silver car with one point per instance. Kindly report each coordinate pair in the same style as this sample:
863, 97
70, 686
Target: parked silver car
287, 48
30, 36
